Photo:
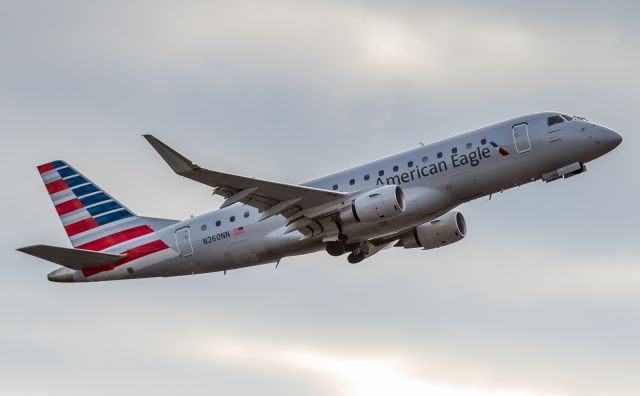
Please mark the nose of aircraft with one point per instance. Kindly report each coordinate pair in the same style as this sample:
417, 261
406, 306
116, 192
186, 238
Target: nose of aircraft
608, 139
611, 138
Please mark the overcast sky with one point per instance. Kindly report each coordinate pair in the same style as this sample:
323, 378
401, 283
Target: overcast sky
541, 299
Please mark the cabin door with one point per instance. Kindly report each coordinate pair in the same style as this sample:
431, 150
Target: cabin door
183, 242
521, 138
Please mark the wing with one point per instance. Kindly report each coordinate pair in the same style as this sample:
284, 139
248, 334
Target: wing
292, 201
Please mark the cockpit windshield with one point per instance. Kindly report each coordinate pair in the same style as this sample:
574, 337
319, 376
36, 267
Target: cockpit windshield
556, 119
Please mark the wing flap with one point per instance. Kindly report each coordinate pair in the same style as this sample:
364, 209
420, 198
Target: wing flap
76, 259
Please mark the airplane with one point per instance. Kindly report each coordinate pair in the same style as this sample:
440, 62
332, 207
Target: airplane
407, 200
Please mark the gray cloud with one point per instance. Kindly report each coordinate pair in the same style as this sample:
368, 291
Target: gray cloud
541, 297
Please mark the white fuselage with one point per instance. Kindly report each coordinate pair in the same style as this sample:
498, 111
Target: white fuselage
434, 178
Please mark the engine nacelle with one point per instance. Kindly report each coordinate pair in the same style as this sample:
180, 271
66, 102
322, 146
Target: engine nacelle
377, 205
442, 231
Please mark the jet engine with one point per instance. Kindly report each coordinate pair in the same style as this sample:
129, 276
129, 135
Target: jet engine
377, 205
442, 231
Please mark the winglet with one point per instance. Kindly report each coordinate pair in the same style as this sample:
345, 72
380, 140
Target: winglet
179, 163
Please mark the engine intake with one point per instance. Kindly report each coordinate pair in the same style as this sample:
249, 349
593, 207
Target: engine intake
442, 231
377, 205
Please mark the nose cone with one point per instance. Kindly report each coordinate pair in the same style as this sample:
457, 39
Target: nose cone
613, 138
61, 275
607, 138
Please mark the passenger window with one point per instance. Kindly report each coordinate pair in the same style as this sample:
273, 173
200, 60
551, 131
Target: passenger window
218, 223
439, 155
425, 159
246, 214
483, 141
469, 145
335, 186
366, 177
232, 219
381, 173
395, 168
410, 164
554, 120
352, 182
454, 150
204, 227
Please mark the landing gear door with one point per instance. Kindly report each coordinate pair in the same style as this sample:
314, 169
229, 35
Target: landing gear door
183, 242
521, 138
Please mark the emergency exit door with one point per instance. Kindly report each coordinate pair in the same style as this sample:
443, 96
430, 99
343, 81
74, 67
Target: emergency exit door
521, 138
183, 242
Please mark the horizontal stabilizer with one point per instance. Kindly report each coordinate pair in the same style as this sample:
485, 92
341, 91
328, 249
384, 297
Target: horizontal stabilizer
76, 259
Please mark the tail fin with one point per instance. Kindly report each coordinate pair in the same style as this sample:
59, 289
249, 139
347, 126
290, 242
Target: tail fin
93, 219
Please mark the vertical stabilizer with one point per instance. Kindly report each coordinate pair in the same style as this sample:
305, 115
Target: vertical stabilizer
93, 219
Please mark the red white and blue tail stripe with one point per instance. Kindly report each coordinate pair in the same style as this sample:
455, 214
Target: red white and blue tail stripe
93, 219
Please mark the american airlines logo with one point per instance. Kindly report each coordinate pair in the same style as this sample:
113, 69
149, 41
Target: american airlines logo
501, 149
472, 158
